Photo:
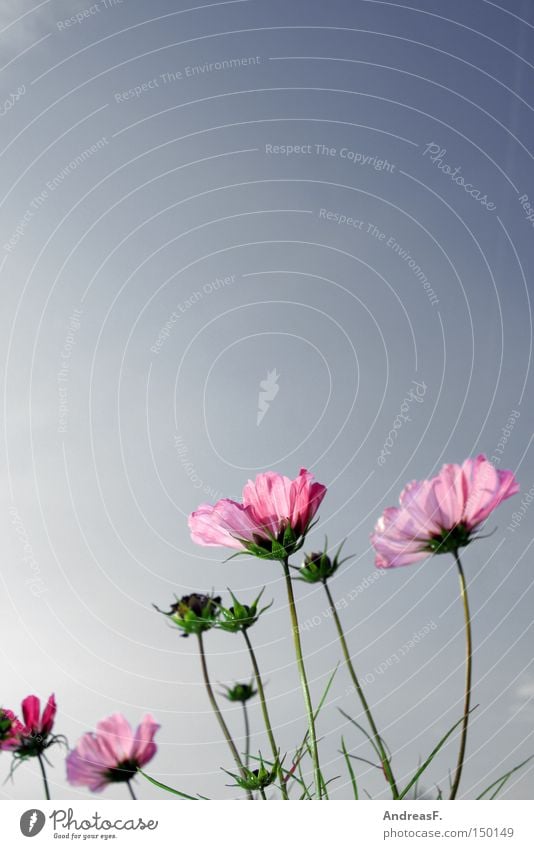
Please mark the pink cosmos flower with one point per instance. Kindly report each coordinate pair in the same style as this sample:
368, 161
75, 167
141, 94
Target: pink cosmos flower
113, 753
275, 510
34, 723
440, 515
34, 734
10, 730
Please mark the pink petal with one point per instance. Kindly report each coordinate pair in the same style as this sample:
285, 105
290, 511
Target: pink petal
394, 541
419, 502
390, 560
449, 492
92, 749
31, 707
49, 715
221, 524
487, 488
116, 737
269, 499
307, 497
277, 501
84, 772
144, 748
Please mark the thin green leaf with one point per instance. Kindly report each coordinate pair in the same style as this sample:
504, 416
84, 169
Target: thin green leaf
499, 788
325, 791
311, 525
325, 693
504, 778
169, 789
430, 758
300, 750
416, 788
386, 748
324, 784
365, 761
236, 554
306, 793
350, 769
362, 729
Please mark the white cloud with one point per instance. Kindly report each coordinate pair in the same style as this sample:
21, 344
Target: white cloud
526, 690
523, 700
23, 22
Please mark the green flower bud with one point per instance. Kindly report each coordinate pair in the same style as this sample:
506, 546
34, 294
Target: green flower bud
256, 779
194, 613
240, 692
319, 567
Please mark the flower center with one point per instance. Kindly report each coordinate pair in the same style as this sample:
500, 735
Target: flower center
124, 771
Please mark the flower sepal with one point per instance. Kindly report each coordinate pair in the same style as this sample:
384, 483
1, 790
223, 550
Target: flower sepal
34, 744
448, 542
280, 548
240, 616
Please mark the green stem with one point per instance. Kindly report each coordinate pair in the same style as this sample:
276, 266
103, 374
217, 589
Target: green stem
130, 788
262, 794
266, 718
386, 766
43, 773
247, 734
218, 714
468, 676
303, 679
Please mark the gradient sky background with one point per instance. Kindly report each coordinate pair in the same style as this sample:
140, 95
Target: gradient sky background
181, 192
